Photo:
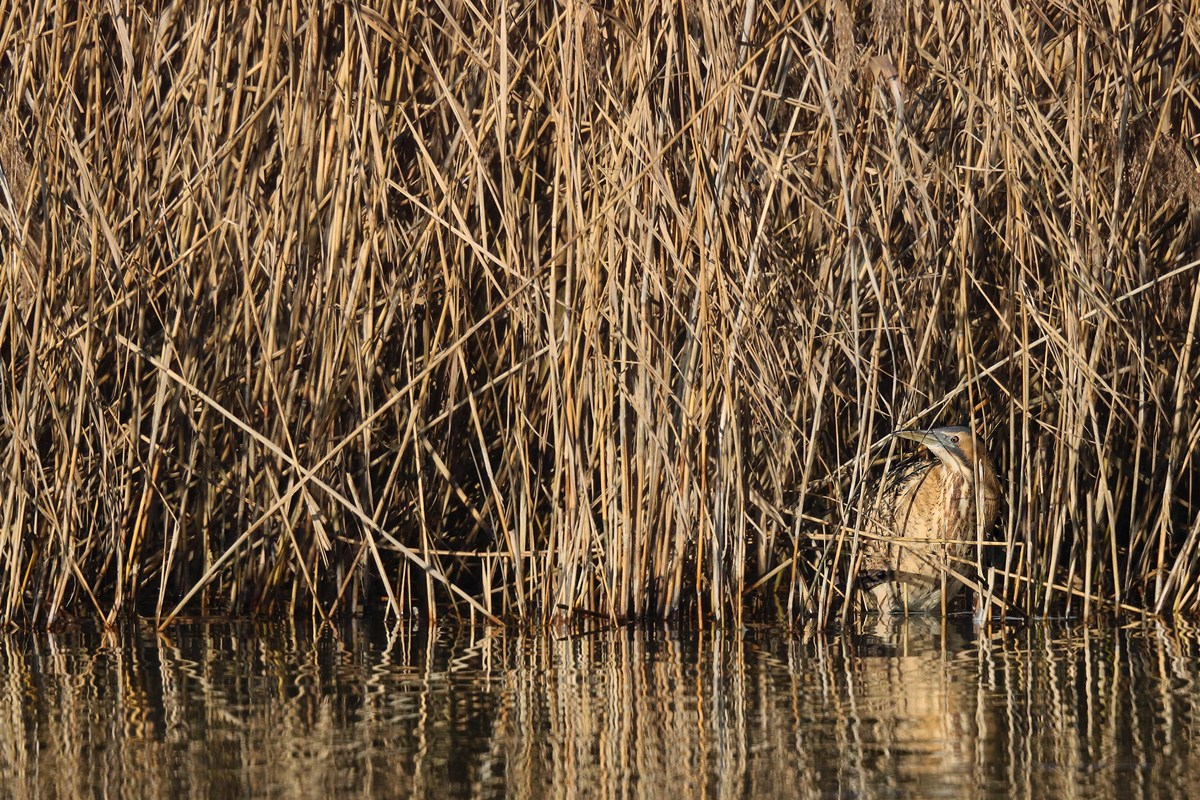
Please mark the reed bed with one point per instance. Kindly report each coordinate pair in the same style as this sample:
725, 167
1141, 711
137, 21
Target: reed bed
553, 309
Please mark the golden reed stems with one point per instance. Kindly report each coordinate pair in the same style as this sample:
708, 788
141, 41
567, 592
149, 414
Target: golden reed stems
567, 309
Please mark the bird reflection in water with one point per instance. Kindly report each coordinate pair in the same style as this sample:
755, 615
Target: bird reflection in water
915, 701
929, 511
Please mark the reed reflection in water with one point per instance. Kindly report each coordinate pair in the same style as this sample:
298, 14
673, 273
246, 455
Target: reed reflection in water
889, 710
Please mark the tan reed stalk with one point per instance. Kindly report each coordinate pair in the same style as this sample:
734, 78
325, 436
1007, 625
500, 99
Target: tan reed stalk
567, 309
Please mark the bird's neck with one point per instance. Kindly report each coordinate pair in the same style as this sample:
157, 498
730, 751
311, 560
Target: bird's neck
961, 473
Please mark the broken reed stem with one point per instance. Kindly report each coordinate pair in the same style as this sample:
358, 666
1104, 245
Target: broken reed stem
341, 310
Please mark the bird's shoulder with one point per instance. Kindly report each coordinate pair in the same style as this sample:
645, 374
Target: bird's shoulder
902, 476
885, 496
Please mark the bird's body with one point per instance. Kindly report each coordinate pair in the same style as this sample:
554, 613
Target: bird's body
938, 506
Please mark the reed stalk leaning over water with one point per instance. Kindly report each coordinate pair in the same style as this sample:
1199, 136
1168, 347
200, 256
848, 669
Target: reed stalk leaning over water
550, 309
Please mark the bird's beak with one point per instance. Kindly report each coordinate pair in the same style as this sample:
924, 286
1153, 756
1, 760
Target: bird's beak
924, 437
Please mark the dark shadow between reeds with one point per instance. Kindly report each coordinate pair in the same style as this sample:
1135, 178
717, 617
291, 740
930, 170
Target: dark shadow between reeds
597, 310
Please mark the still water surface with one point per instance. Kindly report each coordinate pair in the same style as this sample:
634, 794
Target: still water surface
919, 710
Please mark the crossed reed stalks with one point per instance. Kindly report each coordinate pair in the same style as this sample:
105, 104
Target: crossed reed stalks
555, 308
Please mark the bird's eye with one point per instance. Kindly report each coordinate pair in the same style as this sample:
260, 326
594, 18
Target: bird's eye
954, 439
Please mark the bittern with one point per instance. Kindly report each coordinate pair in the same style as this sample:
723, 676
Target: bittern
929, 513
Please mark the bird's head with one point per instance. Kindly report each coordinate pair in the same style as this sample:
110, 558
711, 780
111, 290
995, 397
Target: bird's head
955, 446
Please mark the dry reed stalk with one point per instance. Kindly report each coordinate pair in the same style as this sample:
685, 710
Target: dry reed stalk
582, 309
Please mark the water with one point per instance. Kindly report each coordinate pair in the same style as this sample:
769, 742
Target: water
919, 710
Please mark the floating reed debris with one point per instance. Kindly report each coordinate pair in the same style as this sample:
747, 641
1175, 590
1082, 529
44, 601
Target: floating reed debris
500, 311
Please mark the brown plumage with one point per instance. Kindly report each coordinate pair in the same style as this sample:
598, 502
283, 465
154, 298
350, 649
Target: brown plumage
943, 498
